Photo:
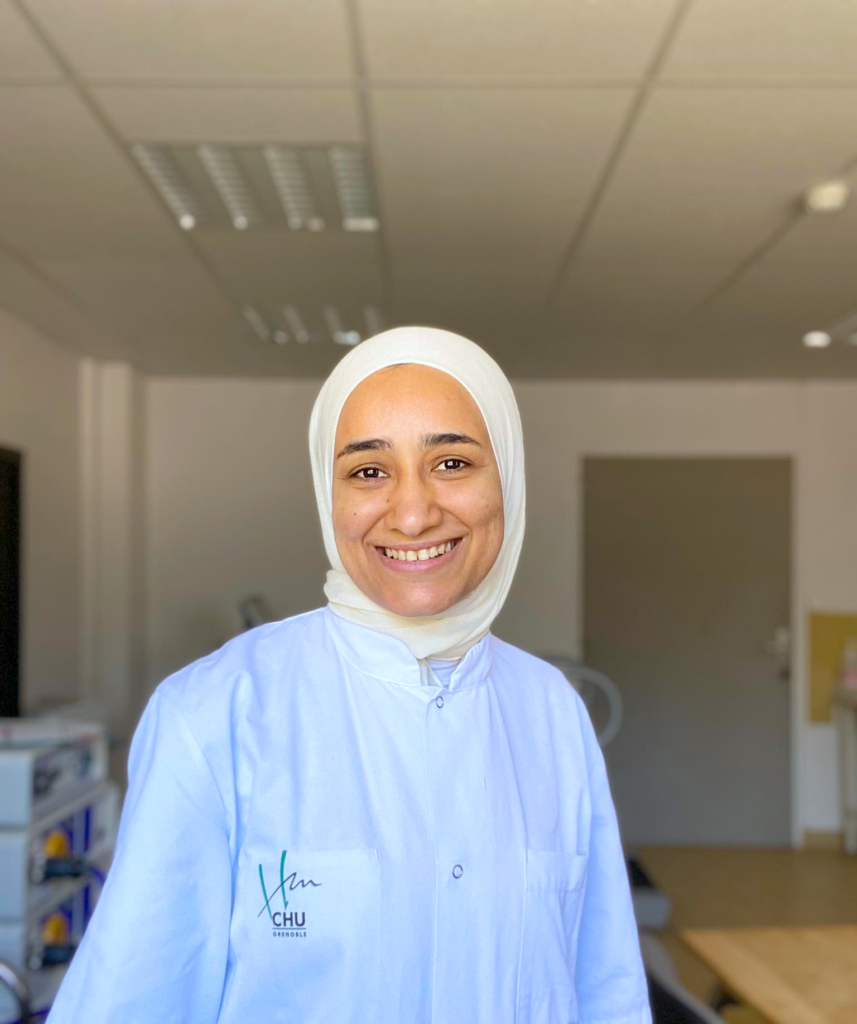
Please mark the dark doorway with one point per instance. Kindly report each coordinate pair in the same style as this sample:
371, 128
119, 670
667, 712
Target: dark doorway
10, 582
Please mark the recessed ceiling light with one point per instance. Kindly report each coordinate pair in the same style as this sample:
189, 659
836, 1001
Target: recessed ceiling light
296, 325
288, 173
816, 339
373, 320
260, 328
171, 184
827, 197
230, 183
337, 331
279, 338
353, 188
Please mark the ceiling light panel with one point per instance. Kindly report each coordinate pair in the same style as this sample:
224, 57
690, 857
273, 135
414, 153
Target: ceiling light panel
231, 185
171, 184
288, 171
353, 188
309, 188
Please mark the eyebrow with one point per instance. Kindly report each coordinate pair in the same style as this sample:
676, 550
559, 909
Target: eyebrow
378, 444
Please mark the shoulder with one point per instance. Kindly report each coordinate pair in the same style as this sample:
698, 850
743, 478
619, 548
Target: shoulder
543, 697
220, 688
532, 673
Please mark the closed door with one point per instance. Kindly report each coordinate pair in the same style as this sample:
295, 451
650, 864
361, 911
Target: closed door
686, 607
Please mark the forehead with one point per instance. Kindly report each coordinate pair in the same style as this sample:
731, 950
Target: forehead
405, 396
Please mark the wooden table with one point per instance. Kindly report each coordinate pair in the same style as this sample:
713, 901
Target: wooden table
790, 975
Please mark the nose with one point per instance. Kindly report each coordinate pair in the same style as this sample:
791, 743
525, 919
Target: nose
413, 506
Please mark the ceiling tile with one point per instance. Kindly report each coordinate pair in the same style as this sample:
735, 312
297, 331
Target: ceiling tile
235, 114
480, 189
433, 39
806, 282
179, 323
633, 297
272, 269
21, 52
192, 39
29, 294
564, 352
706, 178
765, 38
68, 190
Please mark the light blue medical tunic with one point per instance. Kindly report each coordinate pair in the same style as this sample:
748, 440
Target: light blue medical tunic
312, 836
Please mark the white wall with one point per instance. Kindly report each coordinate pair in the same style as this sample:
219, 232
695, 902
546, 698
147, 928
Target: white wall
40, 416
231, 510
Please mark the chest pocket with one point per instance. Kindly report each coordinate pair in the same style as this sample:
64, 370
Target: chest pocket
322, 929
555, 883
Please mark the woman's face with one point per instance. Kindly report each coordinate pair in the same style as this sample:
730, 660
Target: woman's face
414, 472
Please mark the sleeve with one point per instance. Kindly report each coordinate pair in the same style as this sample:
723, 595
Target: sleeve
156, 947
611, 980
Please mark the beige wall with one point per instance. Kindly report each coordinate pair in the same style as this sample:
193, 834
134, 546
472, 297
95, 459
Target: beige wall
40, 416
231, 509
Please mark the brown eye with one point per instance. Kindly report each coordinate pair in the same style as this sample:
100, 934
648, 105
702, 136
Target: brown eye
372, 473
452, 464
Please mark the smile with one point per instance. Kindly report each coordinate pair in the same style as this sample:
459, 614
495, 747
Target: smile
419, 558
421, 554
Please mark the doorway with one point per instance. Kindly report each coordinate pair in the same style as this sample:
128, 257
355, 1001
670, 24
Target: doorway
686, 605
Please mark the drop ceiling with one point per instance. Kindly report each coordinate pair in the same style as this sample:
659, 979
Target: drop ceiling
589, 188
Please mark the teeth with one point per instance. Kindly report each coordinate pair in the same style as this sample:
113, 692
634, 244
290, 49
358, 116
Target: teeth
419, 556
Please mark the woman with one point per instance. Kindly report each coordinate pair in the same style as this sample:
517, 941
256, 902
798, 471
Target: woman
375, 811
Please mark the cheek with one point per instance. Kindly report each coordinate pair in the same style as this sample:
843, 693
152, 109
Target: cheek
354, 513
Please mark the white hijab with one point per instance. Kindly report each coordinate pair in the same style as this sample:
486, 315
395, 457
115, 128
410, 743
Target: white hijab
451, 633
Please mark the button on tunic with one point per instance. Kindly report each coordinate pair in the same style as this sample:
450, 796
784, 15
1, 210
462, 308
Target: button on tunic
312, 836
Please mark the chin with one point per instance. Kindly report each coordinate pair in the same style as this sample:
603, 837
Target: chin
415, 607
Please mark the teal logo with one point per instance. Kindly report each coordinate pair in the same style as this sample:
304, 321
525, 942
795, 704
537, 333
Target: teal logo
285, 921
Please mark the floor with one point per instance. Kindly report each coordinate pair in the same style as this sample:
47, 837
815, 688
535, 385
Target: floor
733, 887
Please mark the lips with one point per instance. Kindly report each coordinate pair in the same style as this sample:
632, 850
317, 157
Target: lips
412, 562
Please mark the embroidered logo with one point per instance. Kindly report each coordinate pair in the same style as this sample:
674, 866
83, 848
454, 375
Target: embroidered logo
286, 923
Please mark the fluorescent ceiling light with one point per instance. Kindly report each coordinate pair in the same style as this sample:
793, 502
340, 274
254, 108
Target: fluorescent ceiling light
353, 188
827, 197
296, 325
260, 328
170, 183
287, 170
373, 320
231, 185
337, 331
816, 339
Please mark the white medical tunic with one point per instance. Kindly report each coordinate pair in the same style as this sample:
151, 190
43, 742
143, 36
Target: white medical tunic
312, 836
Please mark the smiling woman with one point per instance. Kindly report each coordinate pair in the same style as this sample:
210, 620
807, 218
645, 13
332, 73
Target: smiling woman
417, 513
423, 808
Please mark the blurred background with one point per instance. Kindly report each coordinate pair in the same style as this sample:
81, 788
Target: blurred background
640, 208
